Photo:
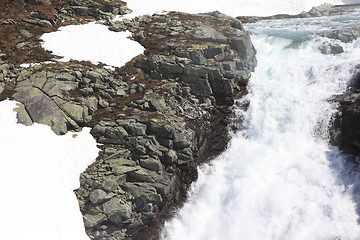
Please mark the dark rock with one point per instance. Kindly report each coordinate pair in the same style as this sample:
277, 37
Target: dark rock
331, 49
345, 131
170, 157
152, 164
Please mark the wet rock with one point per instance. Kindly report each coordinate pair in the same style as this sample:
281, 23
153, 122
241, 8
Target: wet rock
331, 49
345, 131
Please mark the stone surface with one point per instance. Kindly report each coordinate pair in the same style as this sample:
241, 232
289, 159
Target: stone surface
346, 129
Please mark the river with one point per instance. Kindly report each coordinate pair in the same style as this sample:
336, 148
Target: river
279, 179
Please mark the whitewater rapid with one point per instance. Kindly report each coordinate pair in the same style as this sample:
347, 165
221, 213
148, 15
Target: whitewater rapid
279, 178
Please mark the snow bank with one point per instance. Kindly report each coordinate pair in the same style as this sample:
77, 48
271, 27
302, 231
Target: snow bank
92, 42
38, 172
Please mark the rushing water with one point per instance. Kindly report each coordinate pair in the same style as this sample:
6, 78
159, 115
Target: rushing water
279, 178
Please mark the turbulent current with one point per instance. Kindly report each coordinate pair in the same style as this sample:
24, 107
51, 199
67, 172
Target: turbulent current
279, 178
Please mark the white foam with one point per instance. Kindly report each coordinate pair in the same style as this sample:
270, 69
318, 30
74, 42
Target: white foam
38, 173
92, 42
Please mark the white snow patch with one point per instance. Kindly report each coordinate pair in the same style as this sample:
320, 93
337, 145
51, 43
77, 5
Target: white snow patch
92, 42
38, 172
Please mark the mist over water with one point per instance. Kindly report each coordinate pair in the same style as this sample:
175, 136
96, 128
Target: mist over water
279, 178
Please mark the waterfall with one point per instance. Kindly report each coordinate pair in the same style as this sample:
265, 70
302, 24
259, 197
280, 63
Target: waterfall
279, 179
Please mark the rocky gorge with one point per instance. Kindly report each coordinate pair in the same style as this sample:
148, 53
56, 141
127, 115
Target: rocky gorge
155, 119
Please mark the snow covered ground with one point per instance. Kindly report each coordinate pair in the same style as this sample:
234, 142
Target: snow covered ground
38, 172
92, 42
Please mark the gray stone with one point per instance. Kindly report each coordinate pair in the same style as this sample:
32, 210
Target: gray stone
93, 76
81, 10
170, 157
58, 88
99, 196
197, 79
158, 104
117, 210
38, 79
64, 76
22, 115
144, 191
4, 67
114, 135
23, 45
39, 22
331, 49
24, 74
198, 58
42, 109
26, 33
182, 141
121, 92
167, 131
91, 103
74, 111
103, 103
142, 175
151, 164
213, 51
165, 142
136, 129
120, 169
93, 218
2, 86
207, 33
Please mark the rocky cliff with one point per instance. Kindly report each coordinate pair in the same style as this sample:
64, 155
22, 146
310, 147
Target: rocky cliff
155, 119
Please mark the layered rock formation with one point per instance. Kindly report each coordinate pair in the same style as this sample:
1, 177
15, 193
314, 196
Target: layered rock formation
156, 119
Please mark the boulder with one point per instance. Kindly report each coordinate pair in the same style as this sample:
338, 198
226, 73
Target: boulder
117, 210
99, 196
42, 109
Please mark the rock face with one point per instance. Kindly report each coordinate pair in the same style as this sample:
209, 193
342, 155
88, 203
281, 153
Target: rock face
194, 65
157, 118
346, 129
